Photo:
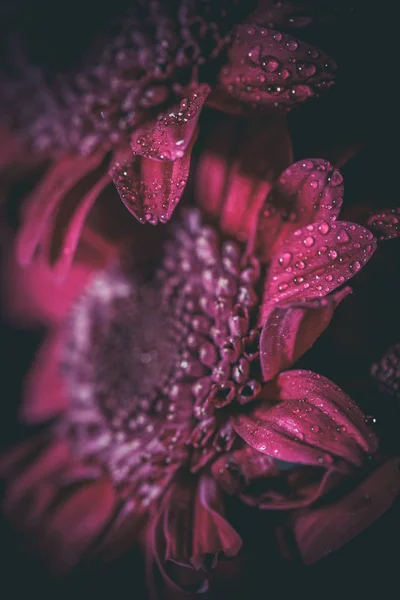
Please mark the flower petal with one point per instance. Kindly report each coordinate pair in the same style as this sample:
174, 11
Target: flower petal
309, 190
387, 371
290, 330
44, 396
167, 138
323, 530
313, 422
316, 259
150, 189
76, 523
40, 208
268, 68
236, 171
385, 223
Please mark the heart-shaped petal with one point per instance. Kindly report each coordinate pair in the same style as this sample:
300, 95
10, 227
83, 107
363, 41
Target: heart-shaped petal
309, 190
314, 260
268, 68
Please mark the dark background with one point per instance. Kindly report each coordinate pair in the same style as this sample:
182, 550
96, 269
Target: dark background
359, 108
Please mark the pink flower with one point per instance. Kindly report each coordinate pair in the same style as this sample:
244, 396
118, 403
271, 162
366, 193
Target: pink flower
167, 383
130, 112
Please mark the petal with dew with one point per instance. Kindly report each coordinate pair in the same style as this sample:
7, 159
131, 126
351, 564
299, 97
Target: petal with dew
290, 330
269, 69
309, 190
314, 260
323, 530
385, 224
306, 419
168, 137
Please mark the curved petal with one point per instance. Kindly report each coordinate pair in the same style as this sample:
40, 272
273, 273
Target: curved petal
150, 189
44, 396
167, 138
309, 190
323, 530
73, 527
290, 330
314, 260
237, 169
313, 422
269, 69
387, 371
385, 223
41, 207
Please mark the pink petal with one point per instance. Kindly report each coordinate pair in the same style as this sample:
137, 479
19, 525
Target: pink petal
235, 172
41, 207
167, 138
44, 395
385, 224
31, 295
309, 190
151, 189
290, 330
313, 422
316, 259
212, 534
267, 68
74, 229
50, 460
74, 526
323, 530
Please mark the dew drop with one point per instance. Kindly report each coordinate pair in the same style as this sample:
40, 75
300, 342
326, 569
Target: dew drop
309, 241
285, 259
324, 228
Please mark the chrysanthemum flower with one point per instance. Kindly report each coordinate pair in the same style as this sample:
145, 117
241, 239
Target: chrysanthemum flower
168, 382
129, 112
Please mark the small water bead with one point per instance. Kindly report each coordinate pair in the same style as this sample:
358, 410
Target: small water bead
314, 184
332, 254
285, 259
270, 64
309, 241
292, 44
324, 228
355, 266
343, 237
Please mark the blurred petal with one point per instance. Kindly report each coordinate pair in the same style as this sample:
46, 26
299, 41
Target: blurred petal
237, 169
76, 523
41, 207
309, 190
316, 259
313, 422
289, 331
387, 371
167, 138
323, 530
269, 69
385, 224
44, 395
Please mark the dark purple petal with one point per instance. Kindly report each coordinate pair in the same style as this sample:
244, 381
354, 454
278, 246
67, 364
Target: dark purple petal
237, 169
316, 259
288, 14
313, 422
150, 189
267, 68
385, 224
289, 331
309, 190
387, 371
167, 138
321, 531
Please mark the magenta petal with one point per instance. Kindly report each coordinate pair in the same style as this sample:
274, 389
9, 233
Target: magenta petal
76, 523
237, 169
212, 535
323, 530
313, 422
150, 189
309, 190
316, 259
290, 330
268, 68
385, 224
167, 138
41, 207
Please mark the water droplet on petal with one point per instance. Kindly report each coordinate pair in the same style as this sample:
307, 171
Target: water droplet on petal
285, 259
309, 241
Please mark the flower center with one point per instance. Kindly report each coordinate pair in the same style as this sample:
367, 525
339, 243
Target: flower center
153, 366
